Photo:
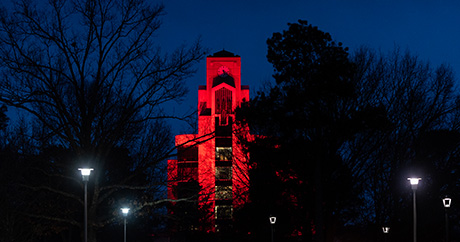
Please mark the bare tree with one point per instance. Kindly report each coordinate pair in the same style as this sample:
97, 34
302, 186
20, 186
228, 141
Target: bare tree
91, 75
410, 99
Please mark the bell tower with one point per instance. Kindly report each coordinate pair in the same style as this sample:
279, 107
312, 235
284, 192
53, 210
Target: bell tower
215, 159
223, 91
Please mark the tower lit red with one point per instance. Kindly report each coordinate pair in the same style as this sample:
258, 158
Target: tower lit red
213, 158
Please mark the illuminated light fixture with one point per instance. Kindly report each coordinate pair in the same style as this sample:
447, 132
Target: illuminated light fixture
386, 230
85, 172
125, 211
272, 220
414, 182
446, 202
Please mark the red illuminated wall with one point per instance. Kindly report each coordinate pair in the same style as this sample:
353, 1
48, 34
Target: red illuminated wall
214, 156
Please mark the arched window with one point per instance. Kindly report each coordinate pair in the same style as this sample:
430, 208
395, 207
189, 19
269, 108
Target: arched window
223, 100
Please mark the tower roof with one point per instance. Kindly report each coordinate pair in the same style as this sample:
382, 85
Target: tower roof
224, 53
220, 79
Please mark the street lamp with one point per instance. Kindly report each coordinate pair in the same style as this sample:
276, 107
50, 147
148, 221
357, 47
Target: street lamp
272, 222
125, 212
85, 172
447, 202
385, 230
414, 184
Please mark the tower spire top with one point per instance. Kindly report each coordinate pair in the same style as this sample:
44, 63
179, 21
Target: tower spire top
224, 53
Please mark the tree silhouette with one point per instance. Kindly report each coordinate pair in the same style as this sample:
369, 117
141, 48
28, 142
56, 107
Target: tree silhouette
91, 76
339, 135
308, 111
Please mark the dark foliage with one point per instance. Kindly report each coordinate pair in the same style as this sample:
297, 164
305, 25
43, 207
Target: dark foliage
338, 137
310, 113
3, 118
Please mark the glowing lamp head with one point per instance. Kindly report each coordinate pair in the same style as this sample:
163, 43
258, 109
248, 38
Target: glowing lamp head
272, 220
85, 172
125, 211
386, 230
414, 182
446, 201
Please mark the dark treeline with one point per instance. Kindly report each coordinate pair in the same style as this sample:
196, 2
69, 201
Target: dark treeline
340, 134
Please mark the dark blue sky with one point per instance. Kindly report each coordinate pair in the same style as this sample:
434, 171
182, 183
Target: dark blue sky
428, 28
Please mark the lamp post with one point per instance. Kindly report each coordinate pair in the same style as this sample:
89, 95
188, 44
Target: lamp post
125, 212
447, 202
414, 184
85, 172
385, 230
272, 222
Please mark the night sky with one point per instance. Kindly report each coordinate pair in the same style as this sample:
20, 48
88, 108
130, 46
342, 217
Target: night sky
428, 28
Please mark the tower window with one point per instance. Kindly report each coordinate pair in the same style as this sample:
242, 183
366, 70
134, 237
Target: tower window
224, 192
224, 173
223, 153
223, 107
224, 212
